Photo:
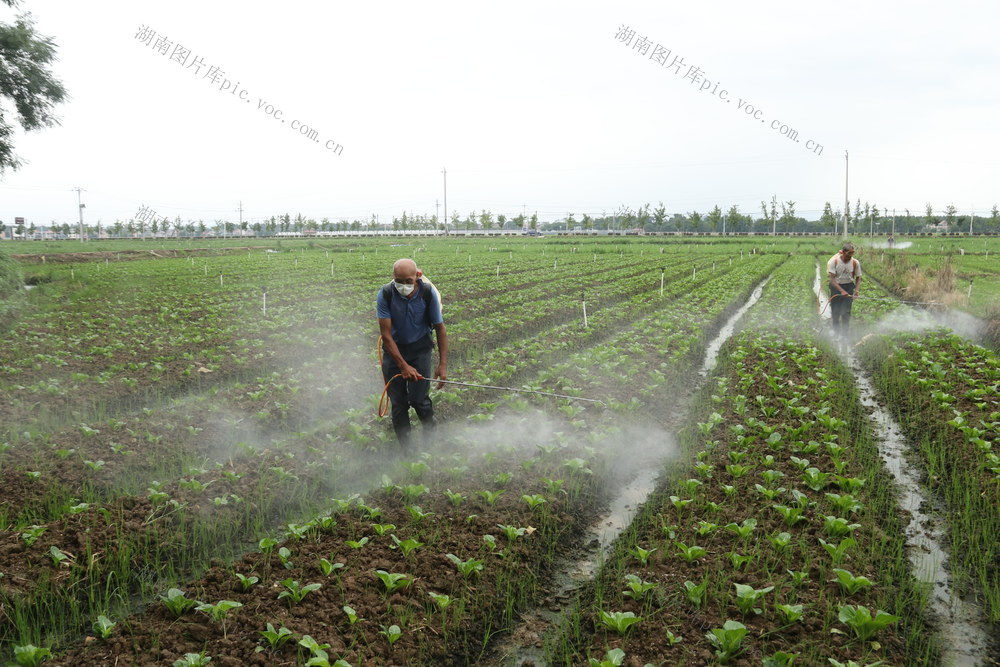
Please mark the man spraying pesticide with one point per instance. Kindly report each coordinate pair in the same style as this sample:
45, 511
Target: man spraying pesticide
408, 309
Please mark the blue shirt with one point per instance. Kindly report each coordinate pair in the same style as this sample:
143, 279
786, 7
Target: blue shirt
410, 321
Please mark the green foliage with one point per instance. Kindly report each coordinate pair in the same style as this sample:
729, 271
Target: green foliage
177, 602
619, 621
727, 640
295, 592
193, 660
276, 638
30, 655
860, 620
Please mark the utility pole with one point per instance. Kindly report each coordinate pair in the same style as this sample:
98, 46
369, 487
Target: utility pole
444, 172
436, 218
893, 223
972, 216
240, 209
80, 207
847, 201
774, 215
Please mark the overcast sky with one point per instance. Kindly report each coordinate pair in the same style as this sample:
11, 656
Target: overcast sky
530, 107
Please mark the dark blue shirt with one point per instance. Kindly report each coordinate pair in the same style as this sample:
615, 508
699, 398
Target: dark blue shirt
410, 321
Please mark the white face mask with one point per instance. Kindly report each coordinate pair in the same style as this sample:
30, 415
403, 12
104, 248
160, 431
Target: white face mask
405, 290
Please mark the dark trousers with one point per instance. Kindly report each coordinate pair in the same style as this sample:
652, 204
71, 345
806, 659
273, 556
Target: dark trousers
405, 395
840, 309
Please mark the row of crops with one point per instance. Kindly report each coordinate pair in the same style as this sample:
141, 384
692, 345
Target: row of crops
193, 470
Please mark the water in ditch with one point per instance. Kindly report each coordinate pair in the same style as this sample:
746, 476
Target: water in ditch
524, 644
960, 624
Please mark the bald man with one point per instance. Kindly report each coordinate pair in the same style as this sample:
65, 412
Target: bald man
408, 309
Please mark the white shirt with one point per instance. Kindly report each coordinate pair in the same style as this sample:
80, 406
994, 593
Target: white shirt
843, 272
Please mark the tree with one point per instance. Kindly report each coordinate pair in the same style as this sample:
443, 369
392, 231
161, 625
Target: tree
659, 216
828, 218
734, 218
788, 214
19, 228
501, 221
533, 221
930, 214
949, 214
695, 219
486, 219
26, 81
2, 228
994, 215
714, 218
587, 222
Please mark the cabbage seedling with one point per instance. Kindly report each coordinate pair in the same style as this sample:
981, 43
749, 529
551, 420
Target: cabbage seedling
454, 498
296, 592
32, 533
792, 515
392, 633
247, 582
442, 601
747, 596
328, 568
690, 553
836, 526
219, 611
466, 567
352, 616
382, 528
393, 581
790, 612
276, 638
407, 546
193, 660
727, 640
511, 532
416, 514
177, 602
860, 620
849, 582
490, 497
743, 530
30, 655
815, 479
739, 561
779, 659
553, 486
413, 491
534, 501
356, 544
58, 556
695, 594
619, 621
285, 556
103, 626
638, 589
612, 658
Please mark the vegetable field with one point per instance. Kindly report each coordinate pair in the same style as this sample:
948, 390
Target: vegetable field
193, 471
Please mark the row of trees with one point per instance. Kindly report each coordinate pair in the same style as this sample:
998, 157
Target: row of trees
775, 216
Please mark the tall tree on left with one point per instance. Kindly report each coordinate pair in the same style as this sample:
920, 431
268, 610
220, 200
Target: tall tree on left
26, 81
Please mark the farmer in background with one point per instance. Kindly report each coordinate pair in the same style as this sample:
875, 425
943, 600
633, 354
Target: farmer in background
845, 279
408, 308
